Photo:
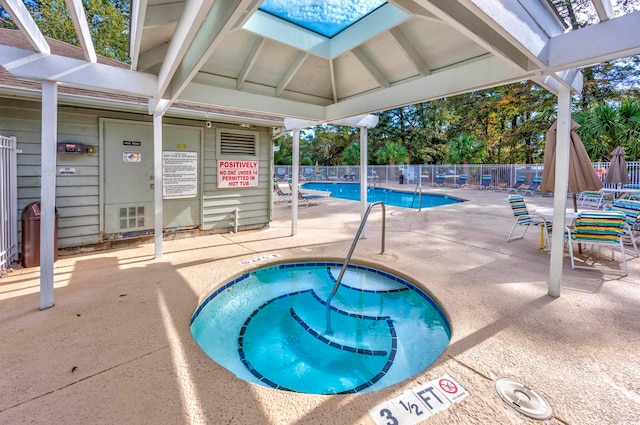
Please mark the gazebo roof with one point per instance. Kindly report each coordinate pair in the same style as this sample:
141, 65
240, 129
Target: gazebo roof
231, 54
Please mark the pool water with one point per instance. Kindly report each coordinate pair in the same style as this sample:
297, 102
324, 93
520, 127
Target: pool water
396, 198
268, 327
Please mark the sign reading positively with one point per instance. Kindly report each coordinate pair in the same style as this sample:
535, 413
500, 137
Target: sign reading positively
418, 404
238, 173
179, 175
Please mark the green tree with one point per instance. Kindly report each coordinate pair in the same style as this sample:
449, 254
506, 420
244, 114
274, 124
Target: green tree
465, 150
351, 155
108, 22
605, 126
392, 153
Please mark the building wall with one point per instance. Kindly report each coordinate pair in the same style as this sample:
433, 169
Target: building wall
78, 196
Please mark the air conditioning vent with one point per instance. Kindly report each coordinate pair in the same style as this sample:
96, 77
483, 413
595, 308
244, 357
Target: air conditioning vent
237, 144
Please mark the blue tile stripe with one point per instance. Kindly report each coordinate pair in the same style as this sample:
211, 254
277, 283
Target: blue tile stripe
333, 344
361, 387
385, 368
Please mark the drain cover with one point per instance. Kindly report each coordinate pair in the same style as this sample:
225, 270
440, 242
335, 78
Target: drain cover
523, 399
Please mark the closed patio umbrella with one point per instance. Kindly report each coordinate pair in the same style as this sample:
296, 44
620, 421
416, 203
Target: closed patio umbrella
582, 175
617, 173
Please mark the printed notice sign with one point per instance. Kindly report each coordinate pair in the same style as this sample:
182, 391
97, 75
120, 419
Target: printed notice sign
238, 173
179, 175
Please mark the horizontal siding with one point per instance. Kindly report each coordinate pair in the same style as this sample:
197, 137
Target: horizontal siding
78, 195
253, 204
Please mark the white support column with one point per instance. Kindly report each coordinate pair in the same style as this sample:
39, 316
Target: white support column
563, 141
48, 190
295, 179
363, 177
157, 183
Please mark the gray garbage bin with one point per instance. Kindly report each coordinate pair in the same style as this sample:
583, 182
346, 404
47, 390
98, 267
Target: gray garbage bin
31, 235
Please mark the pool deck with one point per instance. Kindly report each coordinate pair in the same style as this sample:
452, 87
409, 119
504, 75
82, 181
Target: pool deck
117, 349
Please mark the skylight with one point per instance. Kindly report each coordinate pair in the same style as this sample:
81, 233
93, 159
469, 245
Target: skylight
325, 17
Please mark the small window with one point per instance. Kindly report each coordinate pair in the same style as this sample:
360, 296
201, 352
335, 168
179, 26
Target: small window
235, 143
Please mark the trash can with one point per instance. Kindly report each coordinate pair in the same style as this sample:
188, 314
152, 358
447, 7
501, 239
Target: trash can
401, 179
31, 235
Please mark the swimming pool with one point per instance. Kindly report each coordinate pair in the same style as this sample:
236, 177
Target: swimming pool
388, 196
268, 327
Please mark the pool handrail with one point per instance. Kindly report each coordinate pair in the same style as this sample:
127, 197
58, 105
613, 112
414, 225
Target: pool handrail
417, 190
350, 253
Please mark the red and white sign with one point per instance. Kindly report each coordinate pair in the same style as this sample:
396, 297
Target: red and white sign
234, 174
451, 389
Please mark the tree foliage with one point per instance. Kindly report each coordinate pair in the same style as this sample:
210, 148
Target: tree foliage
108, 23
605, 126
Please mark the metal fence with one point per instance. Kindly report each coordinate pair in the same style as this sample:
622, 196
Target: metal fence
8, 202
504, 175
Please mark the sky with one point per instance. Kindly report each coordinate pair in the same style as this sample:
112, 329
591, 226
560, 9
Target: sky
327, 17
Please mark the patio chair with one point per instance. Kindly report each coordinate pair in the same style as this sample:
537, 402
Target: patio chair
279, 196
440, 181
485, 182
517, 185
598, 228
593, 198
523, 218
461, 181
312, 197
631, 210
533, 188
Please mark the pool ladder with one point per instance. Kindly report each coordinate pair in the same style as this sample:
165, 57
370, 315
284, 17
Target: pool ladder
417, 190
346, 261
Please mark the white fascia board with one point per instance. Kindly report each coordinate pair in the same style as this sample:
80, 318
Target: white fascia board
27, 25
609, 40
296, 123
367, 120
228, 98
480, 73
79, 18
40, 67
136, 23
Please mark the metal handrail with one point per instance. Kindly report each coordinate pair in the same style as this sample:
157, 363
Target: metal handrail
346, 261
418, 187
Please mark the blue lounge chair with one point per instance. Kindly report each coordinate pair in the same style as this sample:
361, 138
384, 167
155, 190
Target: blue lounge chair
461, 181
523, 218
309, 197
533, 188
439, 180
598, 228
485, 183
518, 184
631, 210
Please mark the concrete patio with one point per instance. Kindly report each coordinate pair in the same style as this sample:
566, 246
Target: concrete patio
117, 348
